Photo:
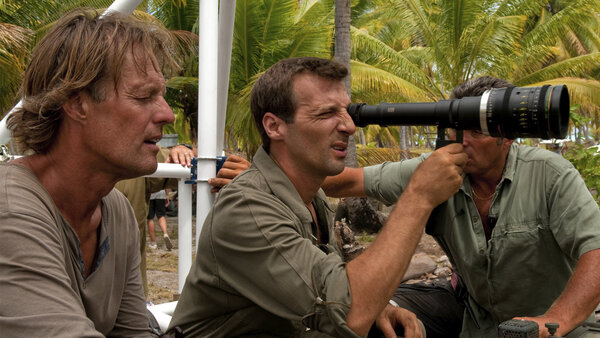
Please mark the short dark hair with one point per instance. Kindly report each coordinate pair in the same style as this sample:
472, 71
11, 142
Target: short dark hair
82, 52
477, 86
273, 91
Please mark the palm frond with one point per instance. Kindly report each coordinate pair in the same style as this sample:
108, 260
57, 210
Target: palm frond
528, 8
547, 33
374, 85
175, 14
573, 67
486, 39
581, 91
364, 43
370, 156
246, 53
530, 60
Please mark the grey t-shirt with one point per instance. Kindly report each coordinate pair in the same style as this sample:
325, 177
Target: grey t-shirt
44, 293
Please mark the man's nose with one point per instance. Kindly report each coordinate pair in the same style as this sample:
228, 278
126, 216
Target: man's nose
165, 114
346, 124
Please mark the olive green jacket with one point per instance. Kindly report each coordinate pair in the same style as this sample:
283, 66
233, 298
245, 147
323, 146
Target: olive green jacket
546, 219
259, 270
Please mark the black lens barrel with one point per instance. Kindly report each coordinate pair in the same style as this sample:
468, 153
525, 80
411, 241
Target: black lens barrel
512, 112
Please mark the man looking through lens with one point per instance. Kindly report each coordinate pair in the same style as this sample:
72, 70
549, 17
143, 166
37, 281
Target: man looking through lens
267, 261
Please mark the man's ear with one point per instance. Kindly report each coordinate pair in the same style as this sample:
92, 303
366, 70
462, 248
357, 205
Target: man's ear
274, 126
74, 108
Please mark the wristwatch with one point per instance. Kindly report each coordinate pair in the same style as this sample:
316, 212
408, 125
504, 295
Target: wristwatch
187, 145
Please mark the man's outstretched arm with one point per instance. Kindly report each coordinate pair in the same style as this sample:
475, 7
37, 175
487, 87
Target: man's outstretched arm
376, 273
349, 183
579, 298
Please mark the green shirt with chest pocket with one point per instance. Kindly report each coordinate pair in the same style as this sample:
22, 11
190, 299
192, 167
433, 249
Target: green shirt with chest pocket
545, 220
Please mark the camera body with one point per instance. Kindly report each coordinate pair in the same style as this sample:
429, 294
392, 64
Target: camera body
513, 328
518, 329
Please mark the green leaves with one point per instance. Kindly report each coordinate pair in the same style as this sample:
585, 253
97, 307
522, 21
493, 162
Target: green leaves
587, 162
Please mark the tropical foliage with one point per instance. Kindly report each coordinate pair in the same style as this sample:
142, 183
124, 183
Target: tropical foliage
436, 45
587, 162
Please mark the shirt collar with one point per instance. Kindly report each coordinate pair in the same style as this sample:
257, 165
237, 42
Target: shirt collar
281, 186
510, 167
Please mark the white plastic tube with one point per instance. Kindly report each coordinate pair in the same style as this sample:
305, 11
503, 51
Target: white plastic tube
184, 193
207, 106
171, 170
226, 21
5, 134
123, 6
162, 318
185, 233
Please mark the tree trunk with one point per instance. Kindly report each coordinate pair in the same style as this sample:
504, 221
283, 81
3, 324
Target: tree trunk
361, 215
403, 133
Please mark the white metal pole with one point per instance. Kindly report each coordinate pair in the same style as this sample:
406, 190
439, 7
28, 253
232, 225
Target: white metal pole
184, 213
207, 106
5, 134
171, 170
184, 232
122, 6
226, 21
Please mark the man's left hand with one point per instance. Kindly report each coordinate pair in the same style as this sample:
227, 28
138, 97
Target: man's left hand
392, 317
181, 154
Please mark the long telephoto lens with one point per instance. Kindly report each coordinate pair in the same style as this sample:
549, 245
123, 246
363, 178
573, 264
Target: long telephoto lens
512, 112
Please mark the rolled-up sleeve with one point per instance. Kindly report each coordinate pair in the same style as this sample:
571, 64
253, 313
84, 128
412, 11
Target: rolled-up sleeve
386, 181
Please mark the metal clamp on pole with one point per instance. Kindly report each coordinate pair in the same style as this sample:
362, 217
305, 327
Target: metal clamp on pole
194, 170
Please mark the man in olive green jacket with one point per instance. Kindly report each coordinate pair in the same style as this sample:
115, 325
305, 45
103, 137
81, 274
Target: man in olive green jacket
267, 264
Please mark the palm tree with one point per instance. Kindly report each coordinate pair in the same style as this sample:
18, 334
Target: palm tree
13, 57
